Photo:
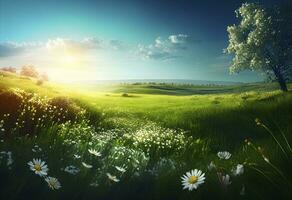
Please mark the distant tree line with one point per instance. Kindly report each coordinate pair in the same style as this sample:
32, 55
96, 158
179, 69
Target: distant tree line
9, 69
171, 84
28, 71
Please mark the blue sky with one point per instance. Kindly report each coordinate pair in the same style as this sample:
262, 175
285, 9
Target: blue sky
120, 39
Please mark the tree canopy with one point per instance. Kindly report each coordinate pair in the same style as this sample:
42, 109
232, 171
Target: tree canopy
29, 71
262, 41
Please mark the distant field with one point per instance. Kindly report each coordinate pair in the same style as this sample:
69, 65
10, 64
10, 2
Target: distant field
201, 110
200, 119
169, 89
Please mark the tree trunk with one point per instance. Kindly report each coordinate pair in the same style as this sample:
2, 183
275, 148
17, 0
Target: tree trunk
281, 81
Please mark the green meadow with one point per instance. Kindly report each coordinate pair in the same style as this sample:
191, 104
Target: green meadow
136, 141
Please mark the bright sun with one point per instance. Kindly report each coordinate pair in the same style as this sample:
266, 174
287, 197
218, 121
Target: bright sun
70, 64
65, 56
70, 59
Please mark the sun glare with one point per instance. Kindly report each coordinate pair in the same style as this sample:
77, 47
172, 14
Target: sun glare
72, 75
70, 59
66, 56
70, 64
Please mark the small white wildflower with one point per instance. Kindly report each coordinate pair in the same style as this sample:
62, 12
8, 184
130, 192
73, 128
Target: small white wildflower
53, 183
238, 170
211, 166
76, 156
94, 184
39, 167
36, 148
86, 165
9, 159
112, 178
225, 180
121, 169
72, 170
224, 155
94, 152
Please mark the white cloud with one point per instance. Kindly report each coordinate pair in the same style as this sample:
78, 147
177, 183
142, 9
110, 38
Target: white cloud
164, 49
155, 52
75, 45
178, 39
161, 48
117, 45
8, 48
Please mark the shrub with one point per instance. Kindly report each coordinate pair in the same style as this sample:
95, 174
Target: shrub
9, 102
29, 71
69, 109
39, 82
125, 95
25, 113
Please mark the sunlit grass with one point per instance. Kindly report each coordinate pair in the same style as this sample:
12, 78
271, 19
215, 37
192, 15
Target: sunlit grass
103, 144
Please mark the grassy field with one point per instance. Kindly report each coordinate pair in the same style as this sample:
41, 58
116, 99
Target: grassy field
147, 136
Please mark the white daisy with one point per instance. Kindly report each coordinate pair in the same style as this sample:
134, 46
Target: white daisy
191, 180
53, 183
112, 178
94, 152
39, 167
121, 169
224, 155
238, 170
86, 165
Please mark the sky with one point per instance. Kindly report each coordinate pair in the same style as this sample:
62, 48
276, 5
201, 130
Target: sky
76, 40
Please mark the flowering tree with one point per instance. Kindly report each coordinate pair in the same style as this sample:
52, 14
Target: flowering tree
29, 71
262, 41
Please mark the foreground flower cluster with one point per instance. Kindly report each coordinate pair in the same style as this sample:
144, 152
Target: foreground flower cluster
40, 168
194, 178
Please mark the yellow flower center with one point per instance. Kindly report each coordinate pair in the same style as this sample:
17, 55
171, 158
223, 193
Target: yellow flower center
37, 167
193, 179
